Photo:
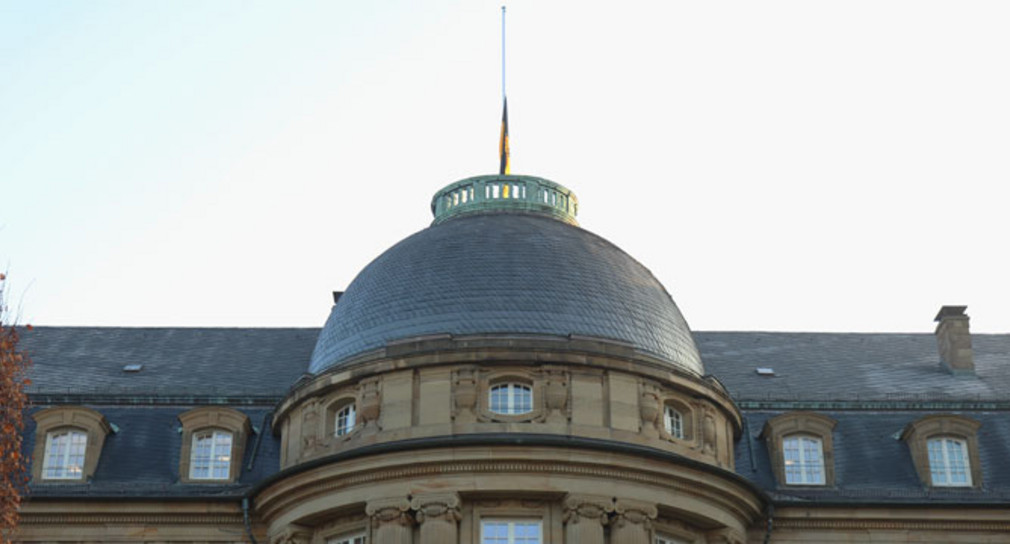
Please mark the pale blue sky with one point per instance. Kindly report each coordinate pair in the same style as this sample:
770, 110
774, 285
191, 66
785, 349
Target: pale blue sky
835, 165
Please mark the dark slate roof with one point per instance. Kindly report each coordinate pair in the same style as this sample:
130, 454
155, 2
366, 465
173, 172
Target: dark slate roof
190, 361
505, 273
141, 458
871, 463
856, 366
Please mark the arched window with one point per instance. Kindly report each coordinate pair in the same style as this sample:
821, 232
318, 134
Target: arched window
673, 421
804, 460
210, 458
948, 462
511, 399
65, 452
344, 420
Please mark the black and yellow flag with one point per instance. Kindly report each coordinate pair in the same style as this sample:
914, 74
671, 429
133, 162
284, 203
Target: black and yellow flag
503, 142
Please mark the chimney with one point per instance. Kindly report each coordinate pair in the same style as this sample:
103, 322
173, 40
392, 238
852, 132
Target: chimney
954, 340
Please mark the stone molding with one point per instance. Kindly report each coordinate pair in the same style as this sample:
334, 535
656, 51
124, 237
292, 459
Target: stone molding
733, 498
967, 525
92, 422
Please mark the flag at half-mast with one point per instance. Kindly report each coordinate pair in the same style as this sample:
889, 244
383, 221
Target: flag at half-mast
503, 142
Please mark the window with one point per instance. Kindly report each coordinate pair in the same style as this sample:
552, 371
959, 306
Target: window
948, 462
801, 447
673, 420
345, 420
804, 460
662, 539
944, 450
511, 398
64, 459
510, 532
68, 443
211, 456
359, 538
213, 442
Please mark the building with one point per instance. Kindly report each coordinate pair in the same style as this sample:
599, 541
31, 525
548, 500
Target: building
504, 376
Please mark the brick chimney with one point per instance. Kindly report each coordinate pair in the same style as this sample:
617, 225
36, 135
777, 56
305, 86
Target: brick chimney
954, 340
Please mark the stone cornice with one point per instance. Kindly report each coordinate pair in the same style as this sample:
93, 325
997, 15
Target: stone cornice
700, 481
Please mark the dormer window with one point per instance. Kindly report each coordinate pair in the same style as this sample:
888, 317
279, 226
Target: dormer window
68, 443
211, 455
804, 460
944, 449
65, 453
673, 420
511, 399
948, 462
345, 420
213, 442
801, 448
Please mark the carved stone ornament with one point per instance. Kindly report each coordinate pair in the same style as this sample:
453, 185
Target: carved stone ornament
725, 536
436, 506
634, 512
556, 396
311, 435
464, 395
293, 534
588, 508
708, 432
649, 408
389, 511
368, 409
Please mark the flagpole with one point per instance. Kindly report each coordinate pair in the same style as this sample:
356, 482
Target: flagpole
503, 52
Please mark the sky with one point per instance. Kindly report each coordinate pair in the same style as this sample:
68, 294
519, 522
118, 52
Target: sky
781, 165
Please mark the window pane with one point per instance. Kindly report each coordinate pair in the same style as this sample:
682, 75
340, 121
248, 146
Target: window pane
345, 420
510, 532
210, 458
64, 455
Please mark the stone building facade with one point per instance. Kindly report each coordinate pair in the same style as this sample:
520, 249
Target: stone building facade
507, 377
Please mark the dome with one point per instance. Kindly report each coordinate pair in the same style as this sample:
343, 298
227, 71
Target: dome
505, 268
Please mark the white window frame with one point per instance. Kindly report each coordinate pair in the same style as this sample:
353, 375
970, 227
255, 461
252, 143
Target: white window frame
62, 466
673, 421
344, 420
941, 473
515, 395
215, 458
806, 476
353, 538
511, 530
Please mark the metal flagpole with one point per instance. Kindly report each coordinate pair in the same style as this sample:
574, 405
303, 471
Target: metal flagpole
503, 52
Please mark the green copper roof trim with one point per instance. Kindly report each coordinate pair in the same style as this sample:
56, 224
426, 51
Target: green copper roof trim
505, 193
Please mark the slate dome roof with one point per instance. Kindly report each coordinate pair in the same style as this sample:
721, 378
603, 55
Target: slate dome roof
505, 270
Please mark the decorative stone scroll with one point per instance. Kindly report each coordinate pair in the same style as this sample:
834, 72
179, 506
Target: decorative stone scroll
391, 520
632, 521
438, 515
725, 536
584, 518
